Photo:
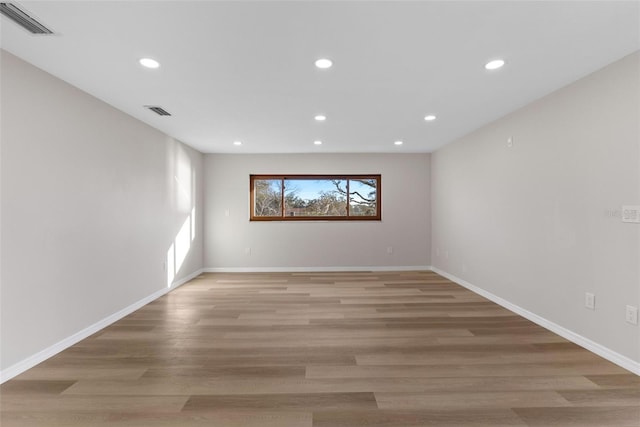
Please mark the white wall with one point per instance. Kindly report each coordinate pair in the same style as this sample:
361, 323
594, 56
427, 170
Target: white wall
539, 224
92, 201
317, 245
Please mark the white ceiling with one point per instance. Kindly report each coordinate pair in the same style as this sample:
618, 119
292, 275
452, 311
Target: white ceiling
244, 70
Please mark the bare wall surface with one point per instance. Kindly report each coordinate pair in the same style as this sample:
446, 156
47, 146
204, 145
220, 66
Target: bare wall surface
538, 223
404, 227
98, 210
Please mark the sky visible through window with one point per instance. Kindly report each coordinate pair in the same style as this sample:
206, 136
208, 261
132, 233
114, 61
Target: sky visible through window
308, 189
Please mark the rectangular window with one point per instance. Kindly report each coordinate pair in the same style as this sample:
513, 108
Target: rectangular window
315, 197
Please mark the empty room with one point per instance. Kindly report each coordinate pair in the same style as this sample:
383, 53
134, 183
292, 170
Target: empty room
319, 213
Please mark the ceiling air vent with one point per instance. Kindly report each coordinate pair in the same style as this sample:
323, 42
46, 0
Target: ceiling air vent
23, 19
158, 110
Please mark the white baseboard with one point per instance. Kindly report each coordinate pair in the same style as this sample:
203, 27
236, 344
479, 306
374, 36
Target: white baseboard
41, 356
313, 269
594, 347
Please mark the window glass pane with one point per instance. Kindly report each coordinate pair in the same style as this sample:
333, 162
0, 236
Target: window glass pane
267, 197
363, 197
315, 197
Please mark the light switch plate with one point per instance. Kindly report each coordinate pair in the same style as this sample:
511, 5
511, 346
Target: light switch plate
631, 214
590, 301
631, 315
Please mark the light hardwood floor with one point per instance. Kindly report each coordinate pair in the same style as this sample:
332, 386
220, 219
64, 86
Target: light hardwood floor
392, 349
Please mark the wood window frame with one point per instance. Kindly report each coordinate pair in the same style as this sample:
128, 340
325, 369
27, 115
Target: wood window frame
283, 217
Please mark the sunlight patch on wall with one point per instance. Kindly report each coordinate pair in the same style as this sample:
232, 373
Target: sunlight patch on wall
171, 265
193, 223
183, 243
180, 248
182, 194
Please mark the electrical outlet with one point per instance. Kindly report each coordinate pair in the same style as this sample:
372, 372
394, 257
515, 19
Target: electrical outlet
247, 251
389, 249
631, 315
590, 301
510, 142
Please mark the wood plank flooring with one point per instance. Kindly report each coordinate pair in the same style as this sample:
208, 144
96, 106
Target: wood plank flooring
383, 349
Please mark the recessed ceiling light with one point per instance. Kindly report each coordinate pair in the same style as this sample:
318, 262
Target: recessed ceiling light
237, 142
317, 142
494, 65
149, 63
430, 118
398, 143
324, 63
320, 118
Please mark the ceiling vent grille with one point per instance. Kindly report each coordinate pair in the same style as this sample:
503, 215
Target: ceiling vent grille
158, 110
23, 19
